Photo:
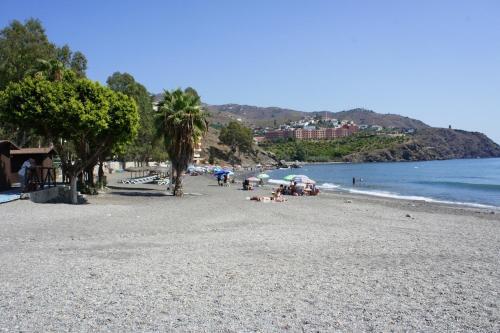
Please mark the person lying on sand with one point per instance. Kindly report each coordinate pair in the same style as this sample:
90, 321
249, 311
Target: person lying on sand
268, 199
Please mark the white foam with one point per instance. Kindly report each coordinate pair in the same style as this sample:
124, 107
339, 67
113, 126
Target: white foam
328, 186
391, 195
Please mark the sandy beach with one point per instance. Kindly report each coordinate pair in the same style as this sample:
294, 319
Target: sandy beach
136, 259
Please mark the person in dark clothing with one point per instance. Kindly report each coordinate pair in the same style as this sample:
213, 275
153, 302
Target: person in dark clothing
353, 181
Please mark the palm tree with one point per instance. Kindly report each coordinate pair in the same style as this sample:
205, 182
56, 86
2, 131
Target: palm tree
182, 123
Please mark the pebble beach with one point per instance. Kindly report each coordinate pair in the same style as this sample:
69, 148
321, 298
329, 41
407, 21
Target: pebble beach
137, 259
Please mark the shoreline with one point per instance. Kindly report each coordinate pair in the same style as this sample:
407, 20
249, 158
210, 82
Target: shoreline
396, 198
429, 182
431, 203
422, 199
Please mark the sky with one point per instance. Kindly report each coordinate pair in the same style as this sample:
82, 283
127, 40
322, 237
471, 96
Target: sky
437, 61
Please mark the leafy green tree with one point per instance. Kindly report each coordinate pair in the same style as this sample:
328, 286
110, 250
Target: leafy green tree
142, 149
300, 153
75, 61
21, 45
74, 113
181, 123
26, 50
238, 137
78, 63
63, 55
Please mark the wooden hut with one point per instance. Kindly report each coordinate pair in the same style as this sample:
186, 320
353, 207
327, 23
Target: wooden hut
5, 166
42, 156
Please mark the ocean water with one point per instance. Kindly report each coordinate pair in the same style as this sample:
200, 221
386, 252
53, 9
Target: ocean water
474, 182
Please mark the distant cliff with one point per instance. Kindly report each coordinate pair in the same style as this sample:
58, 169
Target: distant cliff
432, 144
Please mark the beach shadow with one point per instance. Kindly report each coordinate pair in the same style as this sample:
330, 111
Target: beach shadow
140, 194
130, 188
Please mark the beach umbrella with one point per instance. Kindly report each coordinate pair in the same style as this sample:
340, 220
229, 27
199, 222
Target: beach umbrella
278, 182
303, 179
263, 176
253, 179
289, 177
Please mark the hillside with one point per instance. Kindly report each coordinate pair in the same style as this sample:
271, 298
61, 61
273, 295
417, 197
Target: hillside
426, 144
432, 144
270, 116
367, 117
254, 115
221, 153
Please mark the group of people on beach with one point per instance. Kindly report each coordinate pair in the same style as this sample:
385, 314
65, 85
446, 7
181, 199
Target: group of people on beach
294, 189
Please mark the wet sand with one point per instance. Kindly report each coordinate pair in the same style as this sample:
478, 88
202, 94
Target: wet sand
136, 259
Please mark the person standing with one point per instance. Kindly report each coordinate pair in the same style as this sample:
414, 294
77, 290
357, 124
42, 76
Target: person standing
353, 181
24, 172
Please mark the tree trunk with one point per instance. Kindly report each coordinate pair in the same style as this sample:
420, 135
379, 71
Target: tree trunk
178, 191
90, 176
100, 173
74, 192
80, 178
171, 176
63, 174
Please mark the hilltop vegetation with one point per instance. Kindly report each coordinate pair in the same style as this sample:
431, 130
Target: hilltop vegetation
331, 150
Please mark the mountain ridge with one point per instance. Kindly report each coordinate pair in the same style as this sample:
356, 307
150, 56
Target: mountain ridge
270, 116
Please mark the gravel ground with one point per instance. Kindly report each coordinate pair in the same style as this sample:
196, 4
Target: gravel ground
139, 260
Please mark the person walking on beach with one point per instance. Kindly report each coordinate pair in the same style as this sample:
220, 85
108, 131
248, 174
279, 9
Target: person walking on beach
219, 179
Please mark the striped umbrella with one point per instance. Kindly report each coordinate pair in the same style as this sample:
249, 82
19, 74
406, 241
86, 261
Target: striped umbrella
303, 179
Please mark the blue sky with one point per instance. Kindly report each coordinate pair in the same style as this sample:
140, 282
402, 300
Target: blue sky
437, 61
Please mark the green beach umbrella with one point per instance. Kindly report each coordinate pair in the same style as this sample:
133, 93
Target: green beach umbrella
289, 177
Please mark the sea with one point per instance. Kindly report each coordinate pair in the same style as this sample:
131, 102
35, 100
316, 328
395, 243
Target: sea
470, 182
